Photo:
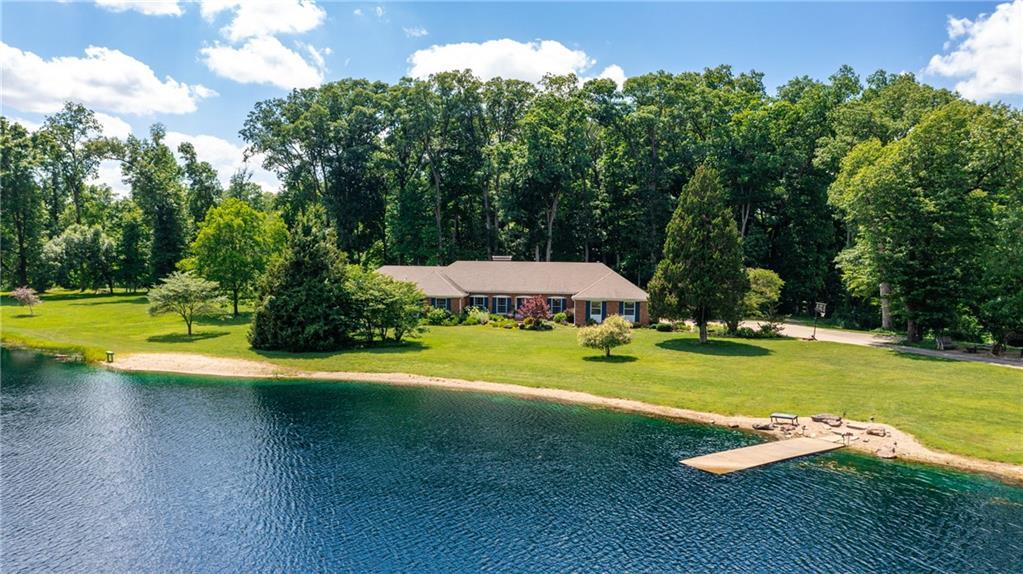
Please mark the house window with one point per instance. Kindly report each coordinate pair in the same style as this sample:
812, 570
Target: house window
596, 314
440, 303
520, 301
629, 311
478, 301
556, 304
502, 305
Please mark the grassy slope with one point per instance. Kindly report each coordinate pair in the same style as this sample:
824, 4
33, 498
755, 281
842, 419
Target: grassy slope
961, 407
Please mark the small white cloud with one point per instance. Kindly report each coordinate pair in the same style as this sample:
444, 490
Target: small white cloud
529, 61
109, 173
29, 125
379, 10
357, 11
317, 56
112, 126
262, 60
260, 18
613, 72
415, 31
987, 53
225, 157
105, 79
147, 7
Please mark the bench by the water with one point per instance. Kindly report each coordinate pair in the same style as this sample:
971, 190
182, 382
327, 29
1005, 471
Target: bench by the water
784, 417
758, 455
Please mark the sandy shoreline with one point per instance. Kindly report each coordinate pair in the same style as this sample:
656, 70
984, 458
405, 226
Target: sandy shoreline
906, 447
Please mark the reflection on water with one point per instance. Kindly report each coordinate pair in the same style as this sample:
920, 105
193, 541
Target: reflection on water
106, 472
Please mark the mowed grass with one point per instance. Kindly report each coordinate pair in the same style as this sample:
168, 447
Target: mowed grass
960, 407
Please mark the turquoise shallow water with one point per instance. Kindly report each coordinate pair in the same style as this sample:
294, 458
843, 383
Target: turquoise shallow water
106, 472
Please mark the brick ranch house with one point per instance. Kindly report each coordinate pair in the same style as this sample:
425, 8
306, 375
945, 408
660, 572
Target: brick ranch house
585, 290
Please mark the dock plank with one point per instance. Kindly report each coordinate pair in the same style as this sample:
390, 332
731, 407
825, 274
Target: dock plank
744, 458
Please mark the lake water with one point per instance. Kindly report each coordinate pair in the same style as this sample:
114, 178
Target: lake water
107, 472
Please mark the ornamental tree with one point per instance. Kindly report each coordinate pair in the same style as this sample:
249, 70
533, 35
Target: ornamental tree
615, 331
185, 295
26, 297
535, 308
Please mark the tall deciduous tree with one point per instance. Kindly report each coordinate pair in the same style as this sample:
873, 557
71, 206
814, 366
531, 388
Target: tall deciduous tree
204, 190
76, 147
21, 217
153, 173
701, 275
235, 244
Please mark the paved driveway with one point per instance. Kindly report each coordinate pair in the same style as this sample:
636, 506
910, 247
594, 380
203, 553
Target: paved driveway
865, 339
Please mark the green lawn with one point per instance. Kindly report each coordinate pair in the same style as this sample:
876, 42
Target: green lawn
966, 408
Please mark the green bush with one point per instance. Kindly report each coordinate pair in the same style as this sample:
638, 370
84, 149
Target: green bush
480, 316
436, 316
560, 318
471, 320
613, 332
664, 327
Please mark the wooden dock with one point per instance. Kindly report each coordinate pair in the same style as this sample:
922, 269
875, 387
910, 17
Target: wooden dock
733, 460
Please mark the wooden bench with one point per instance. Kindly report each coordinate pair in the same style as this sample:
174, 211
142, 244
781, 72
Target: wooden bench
784, 418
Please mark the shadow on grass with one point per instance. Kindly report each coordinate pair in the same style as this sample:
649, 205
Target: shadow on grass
717, 347
388, 348
241, 319
139, 300
612, 359
185, 338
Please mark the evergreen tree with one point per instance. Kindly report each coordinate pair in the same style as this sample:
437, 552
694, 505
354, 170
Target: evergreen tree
701, 275
303, 301
132, 250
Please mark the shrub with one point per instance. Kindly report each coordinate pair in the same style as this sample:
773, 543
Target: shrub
470, 320
437, 316
613, 332
570, 316
480, 316
664, 327
528, 323
560, 318
535, 308
451, 321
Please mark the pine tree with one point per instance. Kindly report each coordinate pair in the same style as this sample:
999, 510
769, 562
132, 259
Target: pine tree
701, 275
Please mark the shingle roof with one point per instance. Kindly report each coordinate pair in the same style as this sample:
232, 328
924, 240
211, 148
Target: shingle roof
431, 280
586, 281
611, 287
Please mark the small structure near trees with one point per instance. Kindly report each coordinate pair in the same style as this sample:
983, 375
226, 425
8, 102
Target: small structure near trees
615, 331
187, 296
26, 297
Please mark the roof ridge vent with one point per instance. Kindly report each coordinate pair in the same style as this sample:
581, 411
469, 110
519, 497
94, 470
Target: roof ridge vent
500, 257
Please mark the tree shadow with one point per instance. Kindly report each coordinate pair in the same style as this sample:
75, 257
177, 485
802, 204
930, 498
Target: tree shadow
185, 338
613, 359
387, 348
716, 347
228, 319
139, 300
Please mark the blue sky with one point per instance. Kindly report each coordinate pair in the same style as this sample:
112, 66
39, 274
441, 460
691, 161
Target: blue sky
209, 63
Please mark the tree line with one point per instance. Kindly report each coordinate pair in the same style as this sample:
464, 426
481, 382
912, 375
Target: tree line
896, 202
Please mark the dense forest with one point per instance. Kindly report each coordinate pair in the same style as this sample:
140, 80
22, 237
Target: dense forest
895, 202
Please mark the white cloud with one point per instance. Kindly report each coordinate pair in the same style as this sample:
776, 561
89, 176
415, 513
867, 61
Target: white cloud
262, 60
261, 18
529, 61
225, 157
147, 7
29, 125
113, 127
613, 72
987, 53
415, 31
357, 11
109, 174
104, 79
379, 10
